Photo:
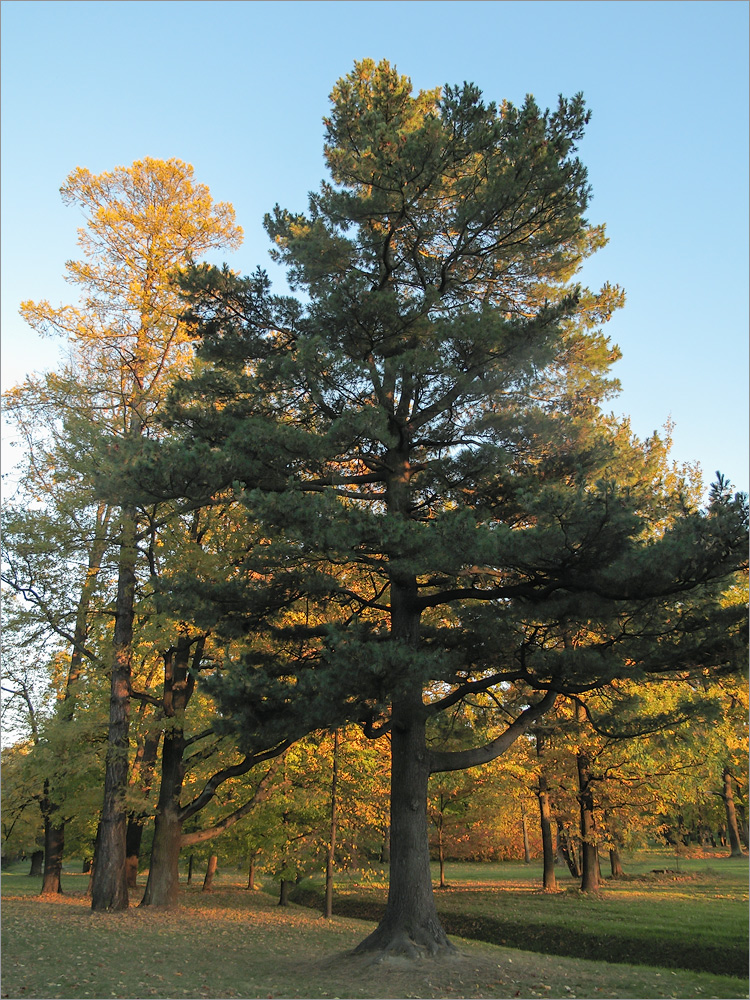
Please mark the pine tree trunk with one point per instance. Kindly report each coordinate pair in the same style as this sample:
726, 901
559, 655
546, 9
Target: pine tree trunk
410, 925
208, 881
110, 884
162, 886
733, 830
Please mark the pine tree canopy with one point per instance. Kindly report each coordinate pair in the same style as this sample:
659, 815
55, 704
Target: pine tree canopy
434, 497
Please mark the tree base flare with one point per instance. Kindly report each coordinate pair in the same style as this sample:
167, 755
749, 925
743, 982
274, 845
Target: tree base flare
413, 944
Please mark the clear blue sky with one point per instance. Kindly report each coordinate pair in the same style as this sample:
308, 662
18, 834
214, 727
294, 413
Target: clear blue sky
238, 89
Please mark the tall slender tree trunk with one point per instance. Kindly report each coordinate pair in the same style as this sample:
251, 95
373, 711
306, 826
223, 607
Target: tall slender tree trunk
250, 871
110, 884
208, 881
568, 851
441, 847
733, 830
549, 878
525, 834
330, 856
589, 849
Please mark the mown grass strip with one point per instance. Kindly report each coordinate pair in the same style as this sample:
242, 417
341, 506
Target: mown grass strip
553, 939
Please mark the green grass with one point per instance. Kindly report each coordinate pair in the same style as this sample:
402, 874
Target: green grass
234, 943
694, 918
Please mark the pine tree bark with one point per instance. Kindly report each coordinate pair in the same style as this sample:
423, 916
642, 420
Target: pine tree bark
733, 830
110, 884
410, 925
162, 885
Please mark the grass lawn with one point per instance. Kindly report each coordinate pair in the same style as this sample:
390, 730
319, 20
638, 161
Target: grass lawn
235, 943
693, 915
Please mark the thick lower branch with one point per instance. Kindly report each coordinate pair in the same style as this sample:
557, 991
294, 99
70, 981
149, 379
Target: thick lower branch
457, 760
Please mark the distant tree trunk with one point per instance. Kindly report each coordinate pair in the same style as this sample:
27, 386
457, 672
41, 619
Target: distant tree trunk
110, 884
133, 837
208, 881
525, 832
250, 872
328, 909
441, 852
615, 863
385, 851
733, 830
568, 851
37, 859
54, 845
86, 866
92, 866
145, 765
589, 851
284, 891
190, 870
549, 879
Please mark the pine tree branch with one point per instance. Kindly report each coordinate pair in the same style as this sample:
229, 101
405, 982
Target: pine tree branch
457, 760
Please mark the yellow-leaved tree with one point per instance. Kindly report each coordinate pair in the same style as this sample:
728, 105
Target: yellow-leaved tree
143, 223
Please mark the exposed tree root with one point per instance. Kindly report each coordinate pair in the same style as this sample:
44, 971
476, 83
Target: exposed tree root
413, 943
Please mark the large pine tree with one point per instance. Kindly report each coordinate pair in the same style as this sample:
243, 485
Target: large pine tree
444, 508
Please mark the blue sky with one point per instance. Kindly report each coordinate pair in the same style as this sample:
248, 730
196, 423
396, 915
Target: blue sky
238, 89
